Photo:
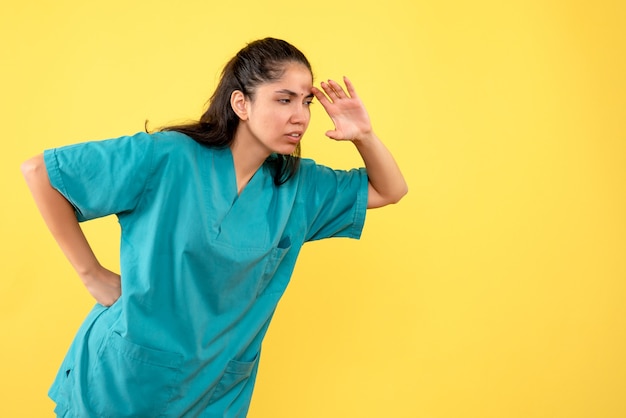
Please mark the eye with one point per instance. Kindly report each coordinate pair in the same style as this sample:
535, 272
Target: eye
284, 101
308, 102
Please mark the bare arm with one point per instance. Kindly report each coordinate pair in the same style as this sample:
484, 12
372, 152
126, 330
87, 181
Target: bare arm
58, 214
386, 182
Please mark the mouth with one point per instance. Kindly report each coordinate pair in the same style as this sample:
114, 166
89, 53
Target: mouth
294, 136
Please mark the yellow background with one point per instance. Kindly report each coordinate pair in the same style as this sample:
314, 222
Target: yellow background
497, 288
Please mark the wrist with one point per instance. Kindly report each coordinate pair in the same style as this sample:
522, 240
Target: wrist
365, 138
89, 272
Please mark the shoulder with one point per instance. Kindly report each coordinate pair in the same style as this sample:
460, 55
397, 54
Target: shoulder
307, 165
160, 138
169, 139
309, 170
313, 179
169, 144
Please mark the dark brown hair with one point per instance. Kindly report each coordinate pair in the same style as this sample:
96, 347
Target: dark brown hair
259, 62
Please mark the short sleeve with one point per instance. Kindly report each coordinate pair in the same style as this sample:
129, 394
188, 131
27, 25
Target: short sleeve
101, 178
336, 202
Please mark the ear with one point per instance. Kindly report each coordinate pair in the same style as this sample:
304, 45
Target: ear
239, 104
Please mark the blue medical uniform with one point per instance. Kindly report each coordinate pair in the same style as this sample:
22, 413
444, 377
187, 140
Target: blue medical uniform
202, 269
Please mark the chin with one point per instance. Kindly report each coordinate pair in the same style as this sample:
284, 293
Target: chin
288, 150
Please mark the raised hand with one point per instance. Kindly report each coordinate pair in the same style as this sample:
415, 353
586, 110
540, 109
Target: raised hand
345, 109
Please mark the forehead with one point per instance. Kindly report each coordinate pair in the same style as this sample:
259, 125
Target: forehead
296, 77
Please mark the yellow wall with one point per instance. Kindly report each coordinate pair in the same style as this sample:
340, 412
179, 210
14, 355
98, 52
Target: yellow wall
497, 288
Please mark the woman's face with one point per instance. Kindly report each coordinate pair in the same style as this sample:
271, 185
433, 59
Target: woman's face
278, 113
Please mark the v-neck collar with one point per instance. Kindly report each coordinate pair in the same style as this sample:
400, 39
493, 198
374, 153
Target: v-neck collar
237, 219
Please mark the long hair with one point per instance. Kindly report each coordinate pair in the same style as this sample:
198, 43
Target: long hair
259, 62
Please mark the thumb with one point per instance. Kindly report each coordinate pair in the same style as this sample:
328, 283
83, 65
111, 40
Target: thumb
332, 134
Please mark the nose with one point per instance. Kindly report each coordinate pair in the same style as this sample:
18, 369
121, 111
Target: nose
301, 114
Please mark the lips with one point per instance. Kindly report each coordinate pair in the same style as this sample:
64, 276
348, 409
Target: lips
295, 136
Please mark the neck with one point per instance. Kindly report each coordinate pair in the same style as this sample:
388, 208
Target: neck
246, 161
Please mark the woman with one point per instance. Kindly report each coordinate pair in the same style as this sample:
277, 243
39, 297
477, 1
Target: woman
213, 215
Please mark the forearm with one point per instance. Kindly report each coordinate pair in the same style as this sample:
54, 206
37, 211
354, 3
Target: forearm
58, 214
386, 182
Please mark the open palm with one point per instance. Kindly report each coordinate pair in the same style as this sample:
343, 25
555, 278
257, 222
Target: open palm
345, 109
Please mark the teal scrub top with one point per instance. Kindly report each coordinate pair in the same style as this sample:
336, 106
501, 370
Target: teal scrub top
202, 269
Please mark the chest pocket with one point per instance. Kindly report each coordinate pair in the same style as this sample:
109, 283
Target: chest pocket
275, 257
236, 276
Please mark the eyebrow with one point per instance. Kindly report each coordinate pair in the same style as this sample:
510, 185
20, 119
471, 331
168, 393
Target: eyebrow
291, 93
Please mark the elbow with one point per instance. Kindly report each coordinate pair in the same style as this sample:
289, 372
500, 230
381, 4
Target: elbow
378, 200
397, 193
32, 167
400, 193
404, 192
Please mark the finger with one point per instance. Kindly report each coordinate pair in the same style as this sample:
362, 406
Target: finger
337, 89
350, 87
328, 89
320, 96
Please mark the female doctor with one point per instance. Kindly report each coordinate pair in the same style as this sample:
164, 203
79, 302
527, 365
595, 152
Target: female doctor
213, 214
